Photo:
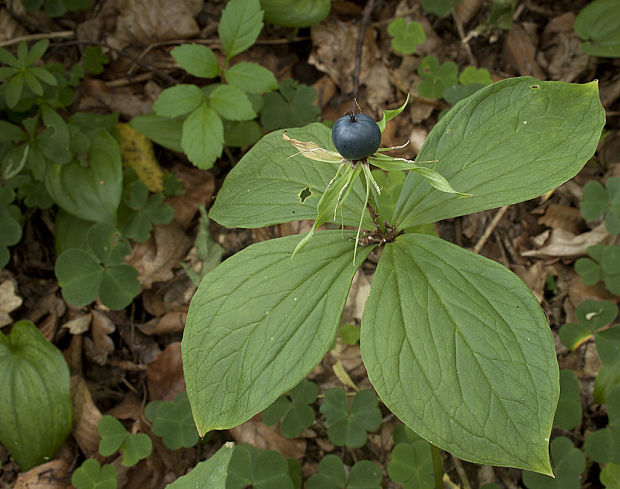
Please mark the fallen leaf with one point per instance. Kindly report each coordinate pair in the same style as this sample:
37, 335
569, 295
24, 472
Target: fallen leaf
171, 322
562, 49
137, 152
50, 475
86, 417
520, 52
9, 300
564, 244
9, 27
257, 434
343, 376
99, 345
164, 375
563, 217
79, 324
199, 187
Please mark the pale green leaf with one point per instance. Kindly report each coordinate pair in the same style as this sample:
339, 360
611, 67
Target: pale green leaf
210, 474
178, 100
231, 103
240, 25
511, 141
303, 14
285, 318
251, 78
459, 349
203, 137
197, 60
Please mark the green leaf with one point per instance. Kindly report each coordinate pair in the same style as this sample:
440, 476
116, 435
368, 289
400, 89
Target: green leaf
441, 8
436, 78
511, 141
249, 466
458, 347
35, 407
203, 137
33, 83
135, 448
405, 35
607, 379
146, 212
94, 59
210, 474
390, 114
456, 93
589, 271
164, 131
350, 334
240, 25
608, 344
57, 144
178, 100
411, 465
595, 201
471, 74
599, 25
348, 428
568, 413
91, 193
568, 464
79, 275
301, 13
603, 445
293, 106
296, 414
13, 90
173, 422
241, 133
331, 474
251, 78
37, 51
44, 75
113, 434
8, 58
273, 340
264, 187
231, 103
365, 475
197, 60
90, 475
119, 286
107, 244
610, 476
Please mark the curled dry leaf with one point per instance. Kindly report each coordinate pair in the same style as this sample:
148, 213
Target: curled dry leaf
50, 475
563, 217
562, 49
164, 375
79, 324
171, 322
9, 27
9, 300
199, 187
520, 52
257, 434
100, 345
86, 417
568, 245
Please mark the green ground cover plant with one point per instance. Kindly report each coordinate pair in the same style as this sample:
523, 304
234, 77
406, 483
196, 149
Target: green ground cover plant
425, 334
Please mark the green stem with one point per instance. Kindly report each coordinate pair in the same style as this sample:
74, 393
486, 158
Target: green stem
437, 467
372, 202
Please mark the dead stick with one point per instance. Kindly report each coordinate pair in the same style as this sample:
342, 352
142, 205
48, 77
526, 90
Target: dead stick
36, 37
489, 230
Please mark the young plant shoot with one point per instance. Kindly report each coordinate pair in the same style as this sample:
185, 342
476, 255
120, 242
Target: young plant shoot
455, 344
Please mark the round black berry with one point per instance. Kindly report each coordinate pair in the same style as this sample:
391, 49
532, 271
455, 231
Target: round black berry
356, 136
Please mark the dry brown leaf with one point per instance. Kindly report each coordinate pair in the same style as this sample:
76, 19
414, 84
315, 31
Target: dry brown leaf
562, 49
568, 245
148, 21
47, 311
257, 434
171, 322
156, 258
578, 291
50, 475
86, 417
129, 408
171, 296
164, 375
99, 345
343, 375
520, 52
465, 10
563, 217
9, 27
9, 300
356, 300
534, 277
199, 187
79, 324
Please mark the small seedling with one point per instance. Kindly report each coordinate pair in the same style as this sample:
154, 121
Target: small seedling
603, 446
598, 24
350, 334
411, 463
599, 200
143, 212
349, 426
568, 413
258, 469
9, 223
90, 475
173, 422
99, 273
332, 475
568, 464
435, 78
405, 35
593, 317
293, 410
603, 264
115, 437
292, 106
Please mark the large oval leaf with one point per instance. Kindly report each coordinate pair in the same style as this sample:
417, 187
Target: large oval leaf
267, 186
261, 321
92, 193
509, 142
36, 414
459, 349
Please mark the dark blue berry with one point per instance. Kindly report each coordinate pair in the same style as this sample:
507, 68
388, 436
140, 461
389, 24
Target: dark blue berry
356, 136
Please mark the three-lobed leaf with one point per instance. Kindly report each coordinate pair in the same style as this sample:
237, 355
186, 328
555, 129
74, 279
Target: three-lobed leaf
91, 475
405, 35
603, 445
172, 420
411, 465
568, 464
293, 410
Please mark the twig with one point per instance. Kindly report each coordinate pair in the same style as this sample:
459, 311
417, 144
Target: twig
461, 472
487, 232
360, 44
36, 37
464, 39
121, 82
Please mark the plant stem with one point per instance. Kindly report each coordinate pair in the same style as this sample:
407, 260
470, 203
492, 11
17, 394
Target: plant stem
437, 466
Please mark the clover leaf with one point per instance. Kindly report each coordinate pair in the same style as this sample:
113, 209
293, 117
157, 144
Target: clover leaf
99, 272
332, 475
603, 264
293, 410
259, 469
144, 211
173, 422
350, 334
568, 464
568, 412
115, 437
610, 476
94, 59
436, 78
11, 228
348, 427
603, 445
599, 200
411, 463
405, 35
90, 475
291, 106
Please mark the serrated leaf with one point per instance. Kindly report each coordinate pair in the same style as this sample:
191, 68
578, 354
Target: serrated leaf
210, 474
292, 327
264, 187
35, 406
178, 100
558, 127
203, 137
197, 60
568, 464
251, 78
90, 475
231, 103
568, 413
240, 25
79, 275
457, 346
411, 465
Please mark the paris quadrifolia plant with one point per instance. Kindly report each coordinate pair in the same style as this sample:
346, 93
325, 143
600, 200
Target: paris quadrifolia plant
455, 345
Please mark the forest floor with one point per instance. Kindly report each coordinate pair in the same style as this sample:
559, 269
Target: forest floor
121, 360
